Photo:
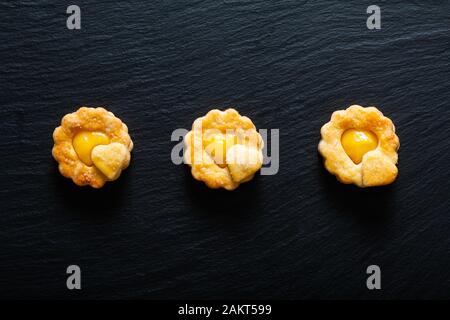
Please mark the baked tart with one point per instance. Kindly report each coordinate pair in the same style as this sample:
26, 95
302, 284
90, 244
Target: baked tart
359, 146
92, 146
223, 149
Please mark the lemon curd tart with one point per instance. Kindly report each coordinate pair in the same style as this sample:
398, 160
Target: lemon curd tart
359, 146
223, 149
92, 146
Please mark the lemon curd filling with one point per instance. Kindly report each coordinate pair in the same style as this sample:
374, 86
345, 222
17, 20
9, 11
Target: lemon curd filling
217, 146
357, 143
85, 141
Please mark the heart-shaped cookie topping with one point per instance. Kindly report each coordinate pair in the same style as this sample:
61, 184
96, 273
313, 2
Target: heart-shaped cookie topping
111, 159
357, 143
243, 162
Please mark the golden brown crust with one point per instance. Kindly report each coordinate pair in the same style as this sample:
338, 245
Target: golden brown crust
378, 166
86, 119
203, 166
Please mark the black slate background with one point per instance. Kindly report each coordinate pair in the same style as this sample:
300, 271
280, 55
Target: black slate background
156, 233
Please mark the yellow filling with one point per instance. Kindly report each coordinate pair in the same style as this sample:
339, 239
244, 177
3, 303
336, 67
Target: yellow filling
357, 143
217, 147
85, 141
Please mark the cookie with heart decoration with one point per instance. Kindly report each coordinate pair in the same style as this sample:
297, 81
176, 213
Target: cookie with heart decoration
359, 146
92, 146
111, 159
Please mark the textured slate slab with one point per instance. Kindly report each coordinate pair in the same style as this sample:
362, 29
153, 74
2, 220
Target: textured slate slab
157, 233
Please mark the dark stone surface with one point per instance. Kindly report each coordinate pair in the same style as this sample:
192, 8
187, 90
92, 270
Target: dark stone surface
157, 233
